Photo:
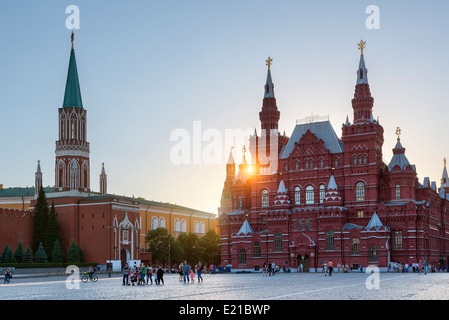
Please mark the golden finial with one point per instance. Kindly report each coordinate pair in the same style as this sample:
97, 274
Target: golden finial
269, 61
362, 46
398, 132
72, 37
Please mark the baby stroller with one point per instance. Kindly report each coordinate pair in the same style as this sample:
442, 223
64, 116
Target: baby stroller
133, 278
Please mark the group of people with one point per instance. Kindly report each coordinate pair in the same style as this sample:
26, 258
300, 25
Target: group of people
187, 273
270, 269
416, 267
328, 267
142, 275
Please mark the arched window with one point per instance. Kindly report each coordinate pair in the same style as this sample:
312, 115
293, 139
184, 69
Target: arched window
309, 195
355, 246
322, 193
360, 191
257, 250
307, 164
336, 163
242, 256
265, 198
297, 165
311, 164
240, 202
372, 254
297, 195
307, 224
397, 240
286, 167
196, 227
329, 240
321, 163
278, 242
398, 192
299, 225
364, 159
177, 225
355, 159
183, 226
154, 223
202, 227
161, 222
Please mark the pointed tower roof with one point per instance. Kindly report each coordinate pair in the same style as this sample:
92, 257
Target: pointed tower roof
444, 176
363, 102
399, 158
103, 172
282, 198
245, 229
362, 72
72, 96
38, 167
231, 158
332, 196
269, 86
374, 223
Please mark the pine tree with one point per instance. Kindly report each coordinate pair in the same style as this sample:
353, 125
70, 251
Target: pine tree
52, 231
73, 254
18, 254
40, 218
7, 255
80, 253
56, 254
41, 256
27, 255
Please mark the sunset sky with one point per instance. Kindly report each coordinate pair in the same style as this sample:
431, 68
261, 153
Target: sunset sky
148, 68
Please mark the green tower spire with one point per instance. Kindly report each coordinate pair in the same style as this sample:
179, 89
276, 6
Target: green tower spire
72, 96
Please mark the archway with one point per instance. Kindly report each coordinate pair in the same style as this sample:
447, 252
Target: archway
124, 257
305, 261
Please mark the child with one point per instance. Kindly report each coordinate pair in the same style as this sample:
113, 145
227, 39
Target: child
192, 276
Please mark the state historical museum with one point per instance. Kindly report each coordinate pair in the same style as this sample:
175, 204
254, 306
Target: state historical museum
314, 197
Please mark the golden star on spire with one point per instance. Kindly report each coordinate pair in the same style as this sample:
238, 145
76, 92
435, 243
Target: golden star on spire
445, 161
269, 62
361, 46
72, 37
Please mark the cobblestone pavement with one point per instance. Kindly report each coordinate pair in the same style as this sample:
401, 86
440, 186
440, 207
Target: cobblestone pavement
293, 286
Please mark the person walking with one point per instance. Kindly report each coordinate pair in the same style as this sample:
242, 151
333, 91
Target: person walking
325, 268
330, 265
180, 271
185, 270
7, 276
143, 272
149, 275
126, 274
302, 267
198, 272
424, 265
160, 275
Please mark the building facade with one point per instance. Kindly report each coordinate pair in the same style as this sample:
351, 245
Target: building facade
107, 227
314, 197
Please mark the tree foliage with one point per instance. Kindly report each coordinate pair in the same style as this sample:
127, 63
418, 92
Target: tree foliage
186, 247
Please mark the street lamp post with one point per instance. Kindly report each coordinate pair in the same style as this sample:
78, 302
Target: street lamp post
169, 240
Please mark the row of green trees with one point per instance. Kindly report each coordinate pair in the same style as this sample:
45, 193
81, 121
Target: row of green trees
189, 247
74, 254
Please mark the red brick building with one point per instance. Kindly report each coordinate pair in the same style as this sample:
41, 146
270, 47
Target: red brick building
314, 197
